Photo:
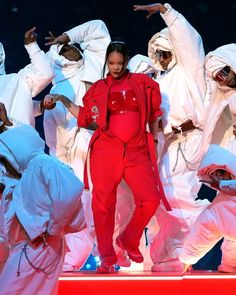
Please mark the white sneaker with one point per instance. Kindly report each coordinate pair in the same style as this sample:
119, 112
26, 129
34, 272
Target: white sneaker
123, 258
168, 266
69, 268
226, 268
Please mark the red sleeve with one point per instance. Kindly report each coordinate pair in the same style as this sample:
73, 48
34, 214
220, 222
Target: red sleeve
155, 100
87, 113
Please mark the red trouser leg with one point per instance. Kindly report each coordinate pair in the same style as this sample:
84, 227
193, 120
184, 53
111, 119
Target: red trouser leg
140, 177
106, 173
109, 163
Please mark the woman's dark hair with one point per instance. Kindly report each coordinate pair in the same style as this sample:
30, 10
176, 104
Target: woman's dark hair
116, 46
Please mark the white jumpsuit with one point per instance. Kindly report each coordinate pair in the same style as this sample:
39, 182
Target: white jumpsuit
220, 101
183, 89
221, 111
17, 90
216, 221
47, 198
65, 140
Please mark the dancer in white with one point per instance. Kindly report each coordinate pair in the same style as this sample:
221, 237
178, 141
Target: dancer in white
220, 67
218, 168
178, 55
220, 122
18, 89
16, 93
36, 213
75, 71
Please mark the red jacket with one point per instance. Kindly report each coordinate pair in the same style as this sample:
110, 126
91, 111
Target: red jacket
149, 98
95, 100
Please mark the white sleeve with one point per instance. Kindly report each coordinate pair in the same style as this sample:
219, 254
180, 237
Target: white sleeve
141, 64
203, 236
37, 108
232, 106
93, 38
39, 73
2, 60
187, 42
64, 190
92, 35
228, 187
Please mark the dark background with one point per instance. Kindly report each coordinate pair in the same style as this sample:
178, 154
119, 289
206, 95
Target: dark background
214, 20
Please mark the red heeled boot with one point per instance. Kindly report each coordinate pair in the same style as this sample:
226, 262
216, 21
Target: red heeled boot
133, 253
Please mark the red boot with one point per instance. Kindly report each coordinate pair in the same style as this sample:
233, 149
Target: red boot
123, 258
133, 253
103, 269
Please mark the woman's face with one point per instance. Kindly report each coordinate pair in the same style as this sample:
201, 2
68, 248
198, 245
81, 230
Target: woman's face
116, 64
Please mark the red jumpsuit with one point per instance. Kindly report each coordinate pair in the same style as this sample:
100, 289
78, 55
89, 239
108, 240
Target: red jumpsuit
120, 149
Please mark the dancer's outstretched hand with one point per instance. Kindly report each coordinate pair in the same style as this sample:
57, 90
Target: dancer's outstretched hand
151, 8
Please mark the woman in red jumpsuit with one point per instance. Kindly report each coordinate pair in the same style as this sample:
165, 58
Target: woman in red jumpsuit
120, 107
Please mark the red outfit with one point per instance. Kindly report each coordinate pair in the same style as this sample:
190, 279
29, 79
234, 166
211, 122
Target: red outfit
112, 158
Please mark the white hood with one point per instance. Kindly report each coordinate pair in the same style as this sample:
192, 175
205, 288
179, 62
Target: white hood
19, 145
219, 58
161, 41
217, 158
222, 56
48, 195
64, 68
141, 64
221, 100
